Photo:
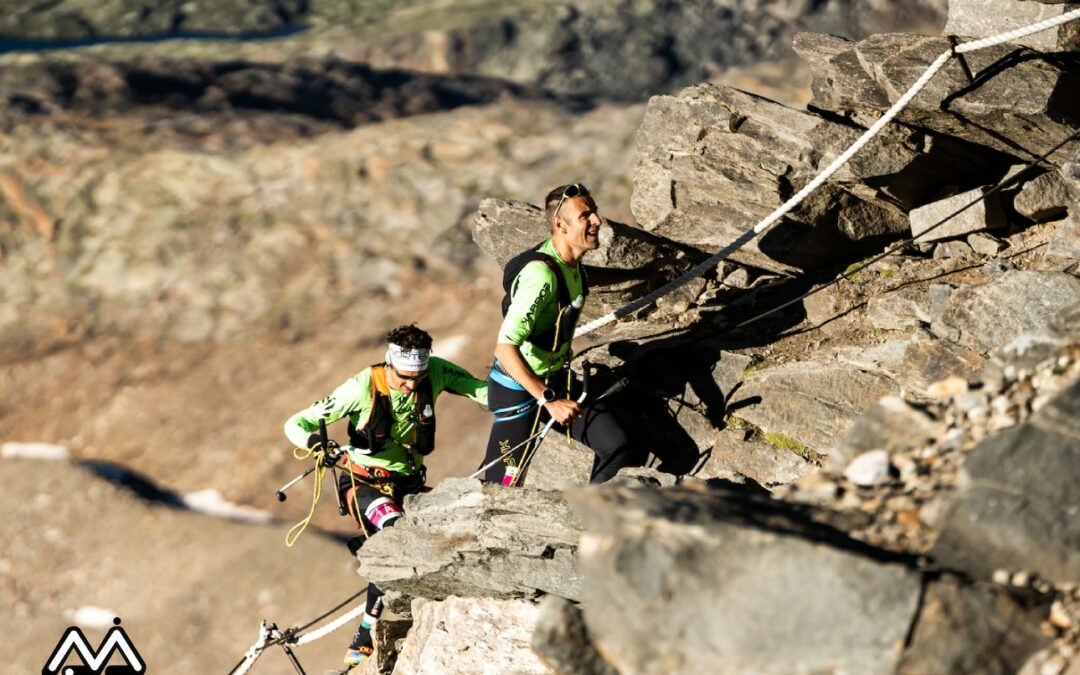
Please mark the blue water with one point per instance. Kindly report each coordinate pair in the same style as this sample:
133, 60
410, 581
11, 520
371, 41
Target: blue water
13, 45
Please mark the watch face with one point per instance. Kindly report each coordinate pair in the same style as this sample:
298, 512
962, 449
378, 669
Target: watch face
549, 395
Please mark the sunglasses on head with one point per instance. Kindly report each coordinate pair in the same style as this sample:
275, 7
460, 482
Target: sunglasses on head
571, 191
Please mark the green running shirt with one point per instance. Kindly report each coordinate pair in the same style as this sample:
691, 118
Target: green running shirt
534, 300
354, 399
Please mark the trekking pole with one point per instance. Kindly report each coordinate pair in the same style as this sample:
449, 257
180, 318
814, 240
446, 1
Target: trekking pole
281, 496
531, 451
538, 436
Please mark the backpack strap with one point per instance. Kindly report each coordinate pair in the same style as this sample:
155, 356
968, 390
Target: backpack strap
545, 337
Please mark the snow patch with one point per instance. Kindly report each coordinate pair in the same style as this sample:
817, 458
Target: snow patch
91, 617
211, 503
451, 347
45, 451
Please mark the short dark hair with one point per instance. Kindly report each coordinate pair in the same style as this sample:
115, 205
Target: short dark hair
551, 201
409, 337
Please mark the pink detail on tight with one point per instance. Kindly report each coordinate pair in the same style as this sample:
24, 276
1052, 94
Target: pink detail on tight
381, 511
509, 475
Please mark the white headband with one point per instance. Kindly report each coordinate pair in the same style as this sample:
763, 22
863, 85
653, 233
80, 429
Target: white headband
412, 360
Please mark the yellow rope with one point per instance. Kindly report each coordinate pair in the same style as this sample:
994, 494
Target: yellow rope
316, 494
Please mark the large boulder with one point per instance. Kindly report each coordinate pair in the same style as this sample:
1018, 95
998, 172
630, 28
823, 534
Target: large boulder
1017, 106
466, 538
989, 18
679, 581
562, 640
1045, 198
1017, 503
470, 635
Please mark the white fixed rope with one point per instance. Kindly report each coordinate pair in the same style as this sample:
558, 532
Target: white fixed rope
707, 264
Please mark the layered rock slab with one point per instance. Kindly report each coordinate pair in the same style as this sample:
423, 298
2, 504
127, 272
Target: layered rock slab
1020, 102
684, 581
813, 402
467, 538
713, 161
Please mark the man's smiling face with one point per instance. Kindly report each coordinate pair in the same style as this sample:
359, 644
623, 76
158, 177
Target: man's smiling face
581, 222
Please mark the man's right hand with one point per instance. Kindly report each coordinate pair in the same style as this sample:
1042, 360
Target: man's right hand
563, 410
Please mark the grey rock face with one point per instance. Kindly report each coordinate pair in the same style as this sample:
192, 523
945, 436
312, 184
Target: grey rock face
681, 582
813, 402
1063, 250
890, 424
562, 640
712, 161
987, 316
558, 463
966, 628
1044, 199
986, 18
1018, 503
1016, 106
471, 635
984, 214
464, 538
732, 457
901, 309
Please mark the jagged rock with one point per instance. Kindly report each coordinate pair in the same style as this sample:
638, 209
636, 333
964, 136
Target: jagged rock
1044, 199
986, 316
984, 244
642, 476
678, 581
988, 18
471, 635
813, 402
559, 463
465, 538
1063, 250
389, 633
891, 424
965, 628
916, 363
1017, 500
1031, 351
732, 458
986, 214
562, 640
952, 249
1014, 107
713, 160
901, 309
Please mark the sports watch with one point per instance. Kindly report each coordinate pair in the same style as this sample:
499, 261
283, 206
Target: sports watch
547, 397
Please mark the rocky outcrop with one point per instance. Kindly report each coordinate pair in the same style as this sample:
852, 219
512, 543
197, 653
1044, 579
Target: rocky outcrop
482, 541
1016, 105
987, 18
469, 635
988, 316
659, 566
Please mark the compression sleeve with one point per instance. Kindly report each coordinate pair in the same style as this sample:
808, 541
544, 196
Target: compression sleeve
534, 287
354, 395
447, 376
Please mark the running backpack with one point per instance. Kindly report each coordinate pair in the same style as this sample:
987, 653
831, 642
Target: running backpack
544, 337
